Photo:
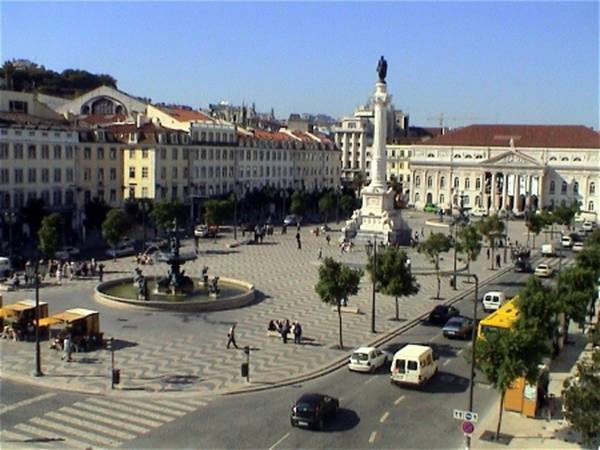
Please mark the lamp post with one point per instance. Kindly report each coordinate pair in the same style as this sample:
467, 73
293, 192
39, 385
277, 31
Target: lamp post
235, 201
10, 218
460, 220
33, 272
371, 249
473, 340
143, 206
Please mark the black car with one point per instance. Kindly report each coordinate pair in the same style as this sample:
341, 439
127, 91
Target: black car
458, 327
312, 410
523, 265
441, 313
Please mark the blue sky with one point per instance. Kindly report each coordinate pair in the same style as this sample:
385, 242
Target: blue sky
493, 62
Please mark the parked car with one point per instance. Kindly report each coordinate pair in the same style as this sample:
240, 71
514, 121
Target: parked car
544, 271
588, 226
67, 253
458, 327
205, 231
312, 410
368, 359
479, 212
431, 207
122, 249
441, 313
578, 246
292, 219
566, 241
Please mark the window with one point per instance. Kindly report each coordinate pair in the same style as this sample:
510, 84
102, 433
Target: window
69, 175
442, 198
112, 153
132, 172
591, 206
468, 156
467, 183
429, 181
577, 159
31, 152
3, 151
175, 174
564, 159
174, 154
57, 152
442, 183
575, 187
163, 173
113, 173
592, 188
478, 184
144, 154
16, 106
131, 154
18, 149
100, 174
144, 172
553, 158
144, 192
18, 175
456, 182
458, 156
99, 153
552, 187
45, 175
4, 176
563, 189
430, 155
163, 153
87, 174
31, 175
87, 153
113, 195
57, 175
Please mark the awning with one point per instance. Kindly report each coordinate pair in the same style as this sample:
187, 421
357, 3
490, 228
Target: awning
66, 316
6, 312
49, 321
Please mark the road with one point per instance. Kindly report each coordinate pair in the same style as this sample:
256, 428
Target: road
374, 413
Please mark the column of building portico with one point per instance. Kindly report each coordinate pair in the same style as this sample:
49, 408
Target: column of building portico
504, 191
517, 193
484, 194
493, 193
541, 191
527, 191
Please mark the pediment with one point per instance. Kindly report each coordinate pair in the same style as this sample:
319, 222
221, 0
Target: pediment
513, 158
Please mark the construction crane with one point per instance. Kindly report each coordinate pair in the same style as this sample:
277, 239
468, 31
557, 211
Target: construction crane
441, 118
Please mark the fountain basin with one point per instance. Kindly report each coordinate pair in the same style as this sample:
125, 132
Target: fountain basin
233, 294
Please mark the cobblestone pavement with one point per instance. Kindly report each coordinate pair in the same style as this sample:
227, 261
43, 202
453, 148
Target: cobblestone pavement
185, 352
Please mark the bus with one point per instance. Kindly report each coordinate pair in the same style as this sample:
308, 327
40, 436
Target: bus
501, 319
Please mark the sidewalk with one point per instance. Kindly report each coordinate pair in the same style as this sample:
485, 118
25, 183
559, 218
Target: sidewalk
549, 429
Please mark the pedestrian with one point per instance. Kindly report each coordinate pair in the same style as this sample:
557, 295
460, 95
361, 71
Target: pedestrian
422, 231
284, 229
285, 329
488, 253
298, 241
320, 255
58, 276
297, 333
498, 260
328, 239
67, 348
100, 272
231, 337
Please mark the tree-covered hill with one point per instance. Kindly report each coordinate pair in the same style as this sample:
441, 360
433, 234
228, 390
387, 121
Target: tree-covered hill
26, 76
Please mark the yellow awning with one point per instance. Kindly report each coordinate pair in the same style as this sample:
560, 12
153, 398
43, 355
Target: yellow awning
66, 316
49, 321
6, 312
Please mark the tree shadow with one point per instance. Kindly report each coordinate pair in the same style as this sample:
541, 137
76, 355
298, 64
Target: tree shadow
120, 344
446, 383
180, 380
345, 420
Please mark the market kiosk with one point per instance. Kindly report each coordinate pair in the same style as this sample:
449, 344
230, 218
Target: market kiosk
83, 325
20, 317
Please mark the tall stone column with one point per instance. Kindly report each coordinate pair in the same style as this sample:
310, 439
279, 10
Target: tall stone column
517, 193
493, 206
504, 191
528, 191
381, 101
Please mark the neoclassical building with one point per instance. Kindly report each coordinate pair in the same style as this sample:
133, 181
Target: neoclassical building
508, 167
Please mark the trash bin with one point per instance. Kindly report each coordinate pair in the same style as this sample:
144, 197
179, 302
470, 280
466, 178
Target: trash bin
116, 376
244, 369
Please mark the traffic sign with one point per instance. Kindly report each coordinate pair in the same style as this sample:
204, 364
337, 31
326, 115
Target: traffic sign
458, 414
470, 416
468, 427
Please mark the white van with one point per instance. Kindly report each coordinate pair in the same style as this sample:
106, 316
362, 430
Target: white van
566, 242
493, 300
4, 267
548, 250
413, 364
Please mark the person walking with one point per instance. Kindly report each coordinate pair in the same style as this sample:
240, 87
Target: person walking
298, 241
67, 348
100, 272
320, 254
231, 337
58, 276
498, 260
285, 329
297, 333
488, 253
328, 239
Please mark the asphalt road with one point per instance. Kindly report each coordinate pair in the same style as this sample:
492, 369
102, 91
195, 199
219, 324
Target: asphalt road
373, 414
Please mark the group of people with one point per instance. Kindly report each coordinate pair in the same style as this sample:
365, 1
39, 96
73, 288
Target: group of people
285, 328
144, 259
18, 331
71, 269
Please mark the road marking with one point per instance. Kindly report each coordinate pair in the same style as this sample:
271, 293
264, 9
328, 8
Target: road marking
432, 338
106, 420
384, 417
115, 414
445, 363
10, 436
279, 441
369, 380
372, 437
128, 409
398, 400
26, 402
460, 351
144, 406
91, 437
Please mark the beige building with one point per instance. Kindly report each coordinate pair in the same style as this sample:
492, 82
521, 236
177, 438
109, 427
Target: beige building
509, 167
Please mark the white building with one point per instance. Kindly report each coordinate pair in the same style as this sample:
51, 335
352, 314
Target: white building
509, 167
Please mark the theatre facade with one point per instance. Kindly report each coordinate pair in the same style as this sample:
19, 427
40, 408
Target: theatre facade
514, 168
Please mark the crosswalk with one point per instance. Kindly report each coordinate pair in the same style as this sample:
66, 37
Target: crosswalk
97, 422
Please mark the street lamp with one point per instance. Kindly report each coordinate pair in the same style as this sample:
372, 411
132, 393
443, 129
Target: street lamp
235, 201
10, 218
371, 249
473, 340
460, 220
32, 271
143, 207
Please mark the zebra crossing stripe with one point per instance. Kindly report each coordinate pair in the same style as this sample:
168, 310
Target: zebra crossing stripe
194, 402
66, 442
154, 407
106, 420
174, 405
128, 409
11, 436
92, 437
91, 426
111, 413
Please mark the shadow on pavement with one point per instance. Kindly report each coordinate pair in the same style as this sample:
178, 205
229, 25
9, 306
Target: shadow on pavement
179, 379
220, 252
446, 383
120, 344
346, 419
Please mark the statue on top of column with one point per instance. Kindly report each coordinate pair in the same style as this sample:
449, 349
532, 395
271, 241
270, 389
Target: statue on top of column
382, 69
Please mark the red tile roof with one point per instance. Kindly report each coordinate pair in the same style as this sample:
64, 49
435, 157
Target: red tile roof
186, 115
551, 136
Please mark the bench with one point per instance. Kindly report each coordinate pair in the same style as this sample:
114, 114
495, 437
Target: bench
347, 309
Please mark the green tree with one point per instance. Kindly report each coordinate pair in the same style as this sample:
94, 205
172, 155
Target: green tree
298, 203
491, 227
565, 215
433, 247
358, 181
33, 213
95, 213
337, 282
49, 234
468, 242
535, 224
537, 307
217, 211
575, 288
164, 213
504, 356
114, 227
347, 204
581, 399
327, 204
590, 257
393, 275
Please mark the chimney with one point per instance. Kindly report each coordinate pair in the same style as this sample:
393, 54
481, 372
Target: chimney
138, 121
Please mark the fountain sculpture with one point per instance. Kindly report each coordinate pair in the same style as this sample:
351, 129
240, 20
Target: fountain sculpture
176, 282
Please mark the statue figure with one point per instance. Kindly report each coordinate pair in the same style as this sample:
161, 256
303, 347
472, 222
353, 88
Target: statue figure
142, 286
137, 275
382, 69
213, 288
205, 275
